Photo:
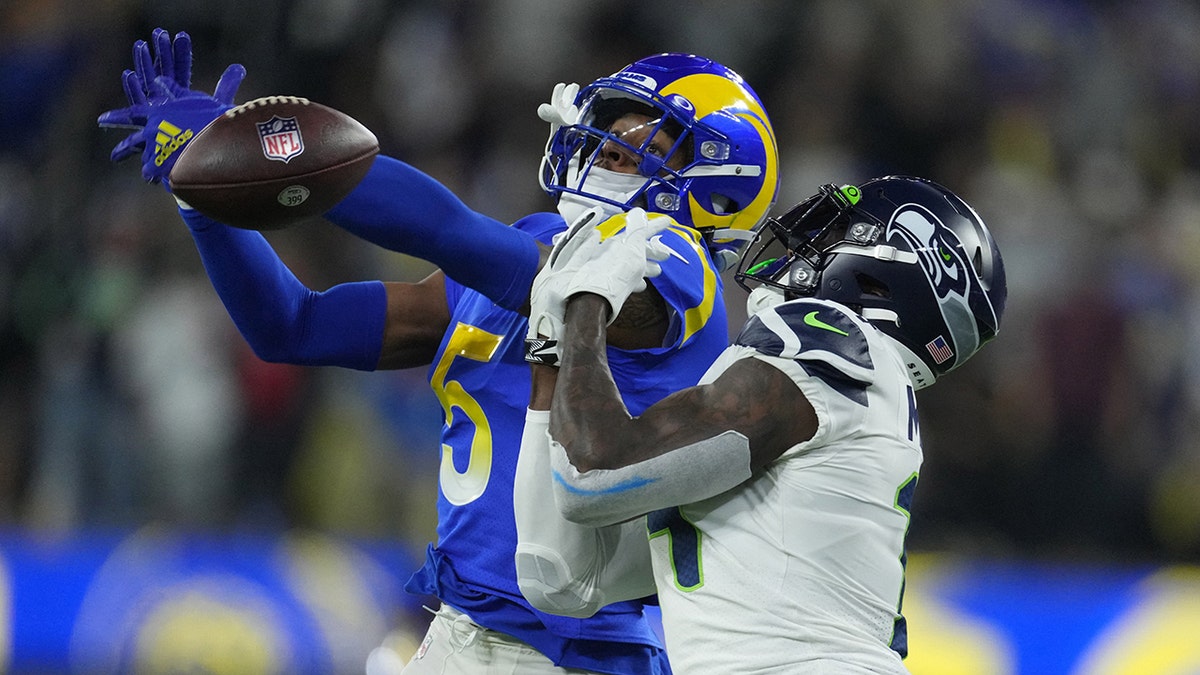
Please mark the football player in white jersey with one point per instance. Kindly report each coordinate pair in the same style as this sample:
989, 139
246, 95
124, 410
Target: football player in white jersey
775, 495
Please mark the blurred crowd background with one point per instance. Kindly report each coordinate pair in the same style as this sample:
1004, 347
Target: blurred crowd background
127, 396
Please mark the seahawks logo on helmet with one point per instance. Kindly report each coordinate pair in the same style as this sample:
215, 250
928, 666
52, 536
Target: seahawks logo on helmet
942, 261
924, 234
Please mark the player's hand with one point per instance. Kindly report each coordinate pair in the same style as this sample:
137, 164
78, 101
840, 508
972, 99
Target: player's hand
163, 111
584, 260
547, 304
617, 266
561, 111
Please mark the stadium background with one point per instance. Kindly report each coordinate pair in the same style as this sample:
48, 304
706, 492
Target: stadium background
167, 500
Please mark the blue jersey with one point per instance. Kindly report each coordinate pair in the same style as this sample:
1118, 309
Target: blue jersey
482, 380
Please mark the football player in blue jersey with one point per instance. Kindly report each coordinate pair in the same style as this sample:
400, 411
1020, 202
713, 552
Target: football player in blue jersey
672, 134
777, 493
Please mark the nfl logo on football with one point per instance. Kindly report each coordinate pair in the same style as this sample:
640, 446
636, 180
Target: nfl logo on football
281, 139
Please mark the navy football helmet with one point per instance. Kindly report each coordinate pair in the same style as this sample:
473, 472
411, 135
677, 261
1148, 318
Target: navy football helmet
728, 166
907, 254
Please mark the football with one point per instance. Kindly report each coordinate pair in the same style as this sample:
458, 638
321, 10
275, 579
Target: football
273, 161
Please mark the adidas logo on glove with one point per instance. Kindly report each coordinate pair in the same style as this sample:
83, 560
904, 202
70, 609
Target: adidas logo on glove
170, 138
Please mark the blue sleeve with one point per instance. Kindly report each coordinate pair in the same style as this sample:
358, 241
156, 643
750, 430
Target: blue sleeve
281, 319
402, 209
542, 226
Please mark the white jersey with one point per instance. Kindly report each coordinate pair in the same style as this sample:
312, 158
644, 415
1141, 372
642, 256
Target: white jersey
801, 569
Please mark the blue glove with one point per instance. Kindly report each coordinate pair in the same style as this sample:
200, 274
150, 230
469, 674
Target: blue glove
164, 112
135, 83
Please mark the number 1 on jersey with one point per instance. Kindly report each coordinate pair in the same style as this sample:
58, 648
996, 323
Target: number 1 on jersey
684, 542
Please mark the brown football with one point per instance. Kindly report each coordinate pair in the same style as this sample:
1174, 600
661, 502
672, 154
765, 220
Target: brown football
273, 161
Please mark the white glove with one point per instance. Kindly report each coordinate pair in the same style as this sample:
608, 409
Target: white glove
585, 261
616, 267
561, 111
546, 301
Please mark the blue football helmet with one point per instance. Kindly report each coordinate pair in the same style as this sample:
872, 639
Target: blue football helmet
907, 254
729, 175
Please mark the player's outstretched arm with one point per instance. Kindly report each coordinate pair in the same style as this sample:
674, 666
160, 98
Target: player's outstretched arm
396, 206
362, 325
282, 319
402, 209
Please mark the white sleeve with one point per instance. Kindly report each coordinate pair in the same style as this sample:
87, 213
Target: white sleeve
563, 567
684, 475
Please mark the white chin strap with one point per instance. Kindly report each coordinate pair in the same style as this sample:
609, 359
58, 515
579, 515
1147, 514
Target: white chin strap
919, 373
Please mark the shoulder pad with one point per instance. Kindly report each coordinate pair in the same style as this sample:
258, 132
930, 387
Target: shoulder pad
689, 282
812, 331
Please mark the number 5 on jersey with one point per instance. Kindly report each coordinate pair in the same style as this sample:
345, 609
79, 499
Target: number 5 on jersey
472, 343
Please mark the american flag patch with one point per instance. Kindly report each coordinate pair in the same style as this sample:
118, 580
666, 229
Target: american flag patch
939, 350
281, 139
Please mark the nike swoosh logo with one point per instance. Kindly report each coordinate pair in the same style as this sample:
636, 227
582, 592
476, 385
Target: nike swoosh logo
812, 320
657, 239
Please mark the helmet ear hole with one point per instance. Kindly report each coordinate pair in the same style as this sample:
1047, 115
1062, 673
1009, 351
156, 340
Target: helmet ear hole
869, 285
723, 205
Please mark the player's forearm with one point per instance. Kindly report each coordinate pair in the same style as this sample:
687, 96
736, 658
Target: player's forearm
281, 319
402, 209
609, 467
588, 416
